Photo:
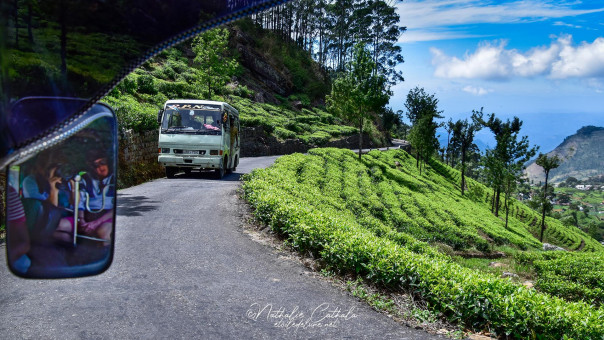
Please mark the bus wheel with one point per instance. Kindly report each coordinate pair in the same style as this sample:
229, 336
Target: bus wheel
187, 171
229, 170
170, 172
235, 164
220, 171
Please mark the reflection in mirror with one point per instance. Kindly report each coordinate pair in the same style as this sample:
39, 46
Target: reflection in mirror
54, 42
81, 48
60, 205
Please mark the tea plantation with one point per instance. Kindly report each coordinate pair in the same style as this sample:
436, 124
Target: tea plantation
381, 220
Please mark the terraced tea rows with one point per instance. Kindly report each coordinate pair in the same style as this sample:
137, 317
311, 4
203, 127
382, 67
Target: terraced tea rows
555, 232
371, 218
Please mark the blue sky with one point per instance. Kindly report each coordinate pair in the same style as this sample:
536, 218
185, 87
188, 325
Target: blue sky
540, 60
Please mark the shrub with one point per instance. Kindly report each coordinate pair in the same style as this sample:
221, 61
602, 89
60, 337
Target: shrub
284, 133
572, 276
133, 115
146, 84
308, 119
316, 138
128, 85
174, 90
243, 91
325, 204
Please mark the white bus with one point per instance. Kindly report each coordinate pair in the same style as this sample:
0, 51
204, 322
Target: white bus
198, 134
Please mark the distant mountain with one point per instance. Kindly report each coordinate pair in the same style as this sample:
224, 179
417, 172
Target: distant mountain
582, 155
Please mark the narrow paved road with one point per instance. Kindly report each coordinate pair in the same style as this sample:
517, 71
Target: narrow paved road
184, 268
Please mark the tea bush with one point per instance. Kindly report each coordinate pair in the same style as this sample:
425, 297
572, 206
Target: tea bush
312, 126
282, 133
573, 276
377, 220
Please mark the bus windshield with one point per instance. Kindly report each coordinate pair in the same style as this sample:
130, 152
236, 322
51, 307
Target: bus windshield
194, 119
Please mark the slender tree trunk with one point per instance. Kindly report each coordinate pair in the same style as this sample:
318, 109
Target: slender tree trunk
360, 137
543, 207
493, 201
497, 200
507, 210
448, 158
463, 170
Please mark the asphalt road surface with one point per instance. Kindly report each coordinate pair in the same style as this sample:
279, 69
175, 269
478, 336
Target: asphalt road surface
184, 268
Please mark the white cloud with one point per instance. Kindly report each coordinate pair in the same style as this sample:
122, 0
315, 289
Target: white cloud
586, 60
492, 61
438, 17
487, 63
561, 23
477, 91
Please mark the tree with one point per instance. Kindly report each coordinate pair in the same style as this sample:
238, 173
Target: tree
463, 140
547, 163
359, 94
572, 181
392, 123
564, 198
506, 162
332, 28
449, 126
339, 38
377, 25
422, 109
212, 59
596, 230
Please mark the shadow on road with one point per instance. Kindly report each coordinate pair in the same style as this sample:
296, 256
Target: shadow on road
233, 177
134, 205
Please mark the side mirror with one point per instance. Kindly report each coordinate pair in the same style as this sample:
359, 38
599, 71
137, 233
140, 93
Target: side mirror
159, 115
60, 202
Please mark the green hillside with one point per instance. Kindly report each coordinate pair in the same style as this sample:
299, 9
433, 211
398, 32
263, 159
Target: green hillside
380, 219
289, 107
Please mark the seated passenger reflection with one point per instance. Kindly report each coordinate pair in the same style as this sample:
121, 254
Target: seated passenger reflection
95, 210
45, 183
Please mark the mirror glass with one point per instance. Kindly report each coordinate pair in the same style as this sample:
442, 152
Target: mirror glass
60, 203
83, 48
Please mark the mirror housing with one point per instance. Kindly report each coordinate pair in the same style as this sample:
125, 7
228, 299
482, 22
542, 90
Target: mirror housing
159, 115
60, 206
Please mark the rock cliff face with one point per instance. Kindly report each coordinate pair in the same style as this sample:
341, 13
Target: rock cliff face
274, 68
256, 142
582, 157
260, 75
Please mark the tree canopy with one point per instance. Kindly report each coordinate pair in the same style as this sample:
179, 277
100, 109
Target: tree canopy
547, 163
422, 109
329, 30
359, 94
506, 162
462, 141
212, 59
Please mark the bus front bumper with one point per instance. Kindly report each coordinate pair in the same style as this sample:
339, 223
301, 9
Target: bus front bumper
210, 162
